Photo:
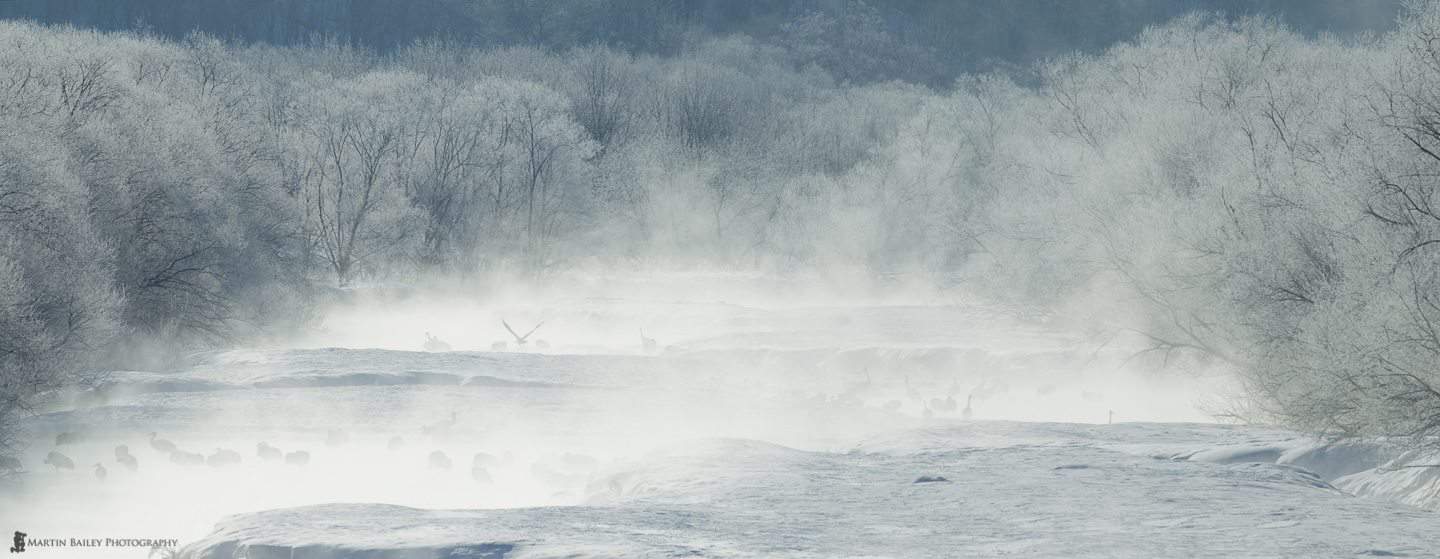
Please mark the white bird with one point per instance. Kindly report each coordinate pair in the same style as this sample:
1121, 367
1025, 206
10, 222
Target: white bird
967, 413
521, 340
648, 344
161, 445
59, 461
297, 458
433, 343
100, 471
438, 460
267, 453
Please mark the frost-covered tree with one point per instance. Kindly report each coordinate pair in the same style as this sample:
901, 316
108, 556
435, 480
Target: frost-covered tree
357, 134
58, 307
552, 185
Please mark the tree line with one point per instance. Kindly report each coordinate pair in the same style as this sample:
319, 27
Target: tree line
861, 41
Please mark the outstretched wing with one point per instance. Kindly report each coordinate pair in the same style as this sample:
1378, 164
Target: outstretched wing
512, 331
532, 330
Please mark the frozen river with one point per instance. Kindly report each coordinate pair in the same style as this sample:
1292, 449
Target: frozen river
749, 430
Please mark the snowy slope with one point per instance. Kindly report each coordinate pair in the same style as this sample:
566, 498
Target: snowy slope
1056, 491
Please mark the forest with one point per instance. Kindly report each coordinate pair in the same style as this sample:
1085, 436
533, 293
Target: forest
1232, 191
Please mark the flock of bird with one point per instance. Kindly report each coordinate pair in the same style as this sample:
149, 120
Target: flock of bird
59, 461
435, 344
222, 457
480, 466
856, 393
929, 407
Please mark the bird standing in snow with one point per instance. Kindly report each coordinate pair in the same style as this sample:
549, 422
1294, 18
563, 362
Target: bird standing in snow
59, 461
161, 445
266, 452
297, 458
439, 461
433, 343
67, 438
223, 457
484, 460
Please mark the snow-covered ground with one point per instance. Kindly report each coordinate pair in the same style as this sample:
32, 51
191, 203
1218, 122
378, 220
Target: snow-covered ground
1029, 490
783, 427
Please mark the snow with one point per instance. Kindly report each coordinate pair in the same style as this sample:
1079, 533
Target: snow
764, 430
1072, 496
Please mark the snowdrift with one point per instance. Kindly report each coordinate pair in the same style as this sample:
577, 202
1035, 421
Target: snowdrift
1034, 490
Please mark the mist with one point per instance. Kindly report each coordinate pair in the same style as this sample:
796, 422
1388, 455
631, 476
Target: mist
722, 284
738, 357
